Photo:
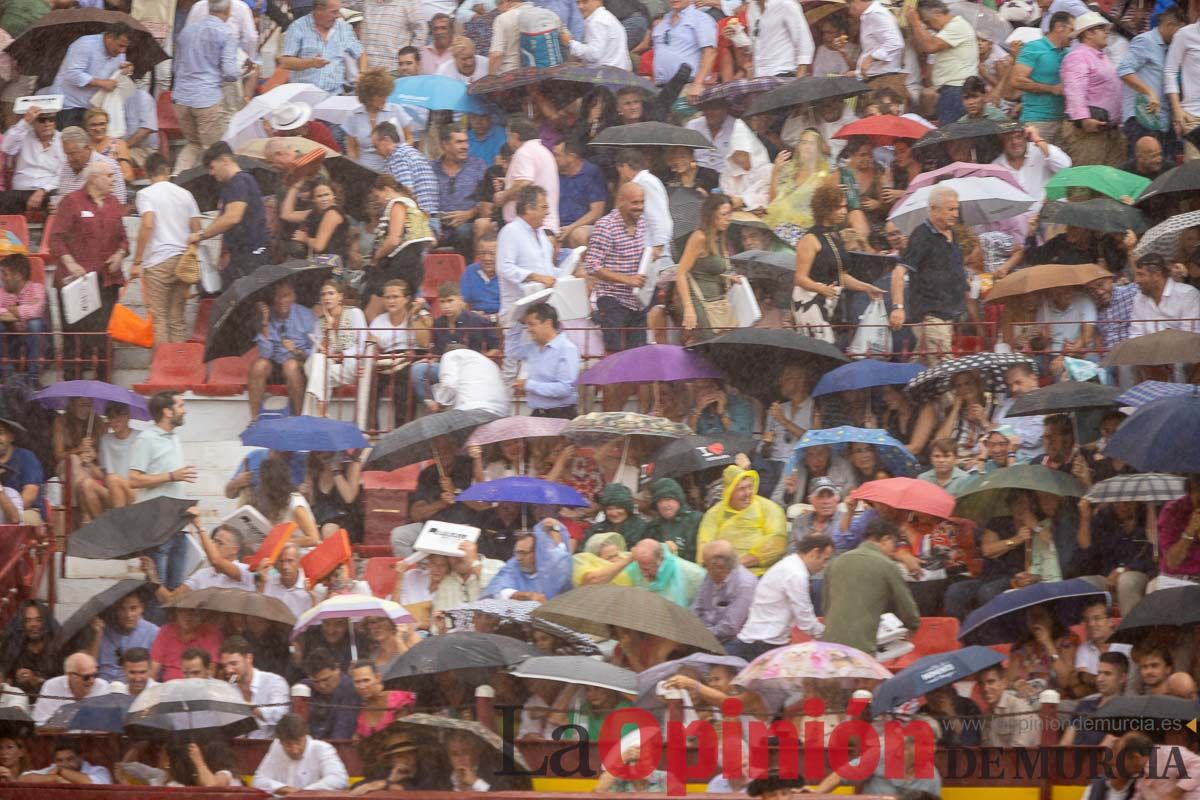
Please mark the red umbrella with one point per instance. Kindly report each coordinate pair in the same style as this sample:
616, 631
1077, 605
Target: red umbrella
908, 494
883, 129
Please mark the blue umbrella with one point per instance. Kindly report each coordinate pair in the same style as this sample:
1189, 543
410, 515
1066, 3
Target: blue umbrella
1149, 391
865, 374
1002, 619
300, 434
524, 490
894, 455
104, 713
436, 93
1162, 436
99, 392
932, 672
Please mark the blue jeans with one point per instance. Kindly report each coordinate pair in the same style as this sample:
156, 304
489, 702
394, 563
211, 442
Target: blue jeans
169, 560
15, 342
424, 376
950, 105
965, 596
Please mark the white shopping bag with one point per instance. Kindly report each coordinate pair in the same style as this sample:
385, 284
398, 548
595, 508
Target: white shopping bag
80, 297
210, 255
873, 334
744, 304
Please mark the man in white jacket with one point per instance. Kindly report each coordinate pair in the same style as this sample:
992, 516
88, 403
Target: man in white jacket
297, 762
604, 42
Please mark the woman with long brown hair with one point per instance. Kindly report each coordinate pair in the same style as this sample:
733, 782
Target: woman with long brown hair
340, 333
702, 279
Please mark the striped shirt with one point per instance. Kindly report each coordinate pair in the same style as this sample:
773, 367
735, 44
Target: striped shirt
1113, 320
390, 26
409, 167
304, 41
28, 303
69, 180
613, 248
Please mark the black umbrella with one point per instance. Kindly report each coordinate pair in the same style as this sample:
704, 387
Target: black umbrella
94, 606
1177, 180
869, 267
763, 265
1178, 606
413, 443
754, 357
960, 131
356, 180
189, 710
805, 91
685, 206
207, 189
651, 134
222, 600
1149, 714
41, 48
1101, 214
93, 714
695, 453
1062, 397
15, 722
130, 531
935, 381
234, 318
480, 652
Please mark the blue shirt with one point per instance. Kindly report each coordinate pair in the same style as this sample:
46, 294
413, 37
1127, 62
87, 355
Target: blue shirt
489, 146
23, 469
552, 372
303, 41
577, 192
568, 12
481, 292
455, 191
113, 642
86, 60
334, 716
142, 112
409, 167
1145, 58
296, 327
205, 57
679, 43
1045, 63
358, 127
250, 235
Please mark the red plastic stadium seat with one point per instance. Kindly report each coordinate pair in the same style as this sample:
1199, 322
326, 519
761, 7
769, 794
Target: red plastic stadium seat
227, 376
439, 268
168, 123
37, 270
18, 225
175, 366
380, 575
935, 635
43, 250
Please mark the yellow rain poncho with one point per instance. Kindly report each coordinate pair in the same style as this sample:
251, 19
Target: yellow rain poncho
760, 529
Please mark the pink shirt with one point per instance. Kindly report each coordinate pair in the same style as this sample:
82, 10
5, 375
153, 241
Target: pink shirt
534, 163
167, 649
1088, 79
1172, 522
27, 304
1166, 764
395, 701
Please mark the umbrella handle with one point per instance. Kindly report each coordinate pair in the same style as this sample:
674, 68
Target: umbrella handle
1152, 527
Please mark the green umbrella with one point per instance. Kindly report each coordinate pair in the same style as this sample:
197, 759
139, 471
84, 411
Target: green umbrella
988, 497
1110, 181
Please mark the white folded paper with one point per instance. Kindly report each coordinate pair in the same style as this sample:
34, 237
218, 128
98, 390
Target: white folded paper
744, 304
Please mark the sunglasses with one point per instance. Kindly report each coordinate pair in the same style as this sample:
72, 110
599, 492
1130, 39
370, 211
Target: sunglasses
86, 678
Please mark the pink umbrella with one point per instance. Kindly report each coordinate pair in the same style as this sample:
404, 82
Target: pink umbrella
963, 169
503, 430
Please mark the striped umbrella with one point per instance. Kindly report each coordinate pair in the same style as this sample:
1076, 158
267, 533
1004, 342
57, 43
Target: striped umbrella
1149, 391
352, 607
1141, 487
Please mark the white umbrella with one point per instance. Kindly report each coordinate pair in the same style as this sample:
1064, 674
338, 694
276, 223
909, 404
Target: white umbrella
981, 200
245, 124
336, 109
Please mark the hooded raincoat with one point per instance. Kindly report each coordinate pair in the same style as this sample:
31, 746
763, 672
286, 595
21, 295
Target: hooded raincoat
681, 528
677, 580
633, 528
759, 529
551, 575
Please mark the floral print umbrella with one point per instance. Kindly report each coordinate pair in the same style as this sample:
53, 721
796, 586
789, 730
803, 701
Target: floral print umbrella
602, 424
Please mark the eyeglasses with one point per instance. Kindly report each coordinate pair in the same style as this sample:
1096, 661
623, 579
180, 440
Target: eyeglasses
47, 119
523, 552
85, 678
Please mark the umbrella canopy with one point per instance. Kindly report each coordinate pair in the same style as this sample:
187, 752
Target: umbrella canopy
685, 206
739, 93
932, 672
236, 601
652, 362
964, 169
1047, 276
895, 456
105, 713
606, 424
40, 49
509, 428
985, 21
764, 265
1164, 237
988, 497
100, 393
865, 374
1063, 397
648, 679
1177, 606
1171, 346
521, 489
564, 82
580, 670
695, 453
15, 722
1098, 214
754, 357
935, 381
514, 618
336, 109
234, 321
130, 531
981, 201
436, 727
413, 443
96, 605
1149, 391
778, 674
467, 650
350, 606
650, 134
1141, 487
188, 710
1179, 180
594, 609
806, 91
1154, 713
299, 434
207, 189
1162, 436
1105, 180
960, 132
246, 124
908, 494
436, 93
883, 129
1002, 619
356, 180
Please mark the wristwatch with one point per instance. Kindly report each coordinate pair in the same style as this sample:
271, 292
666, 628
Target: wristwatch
898, 307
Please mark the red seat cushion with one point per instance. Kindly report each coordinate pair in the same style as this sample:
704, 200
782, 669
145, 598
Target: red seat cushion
175, 366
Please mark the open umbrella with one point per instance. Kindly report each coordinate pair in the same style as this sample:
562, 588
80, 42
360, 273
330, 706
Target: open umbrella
236, 601
806, 91
594, 609
895, 456
1164, 237
607, 424
132, 530
988, 497
883, 129
579, 78
695, 453
739, 93
246, 124
352, 607
981, 201
43, 45
932, 672
865, 374
100, 393
1163, 436
766, 266
1098, 214
436, 728
514, 618
1105, 180
257, 148
648, 679
522, 489
1170, 346
986, 23
207, 189
652, 362
964, 169
509, 428
105, 713
189, 710
15, 722
436, 93
781, 673
1149, 391
1180, 180
413, 443
1002, 619
908, 494
685, 206
961, 131
754, 357
579, 670
650, 134
299, 434
1178, 606
96, 605
1046, 276
234, 321
1140, 487
1149, 714
482, 653
1062, 397
935, 381
356, 180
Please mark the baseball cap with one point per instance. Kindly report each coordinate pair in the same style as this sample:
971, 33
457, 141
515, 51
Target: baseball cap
825, 485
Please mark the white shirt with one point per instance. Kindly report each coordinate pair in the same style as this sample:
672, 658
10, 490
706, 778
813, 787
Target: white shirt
1037, 169
432, 61
714, 159
604, 41
114, 452
782, 39
392, 338
781, 601
469, 380
1028, 430
208, 578
120, 687
56, 693
450, 70
296, 598
1179, 308
880, 38
1087, 656
38, 167
1181, 71
520, 252
95, 773
319, 769
273, 697
240, 23
173, 208
659, 225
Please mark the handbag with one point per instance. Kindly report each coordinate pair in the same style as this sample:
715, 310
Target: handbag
814, 313
187, 268
126, 325
718, 313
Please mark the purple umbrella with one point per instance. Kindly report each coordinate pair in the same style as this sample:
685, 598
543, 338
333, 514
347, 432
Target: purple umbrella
654, 362
99, 392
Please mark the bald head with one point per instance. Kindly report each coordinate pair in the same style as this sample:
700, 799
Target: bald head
81, 673
631, 201
648, 554
1148, 155
718, 558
